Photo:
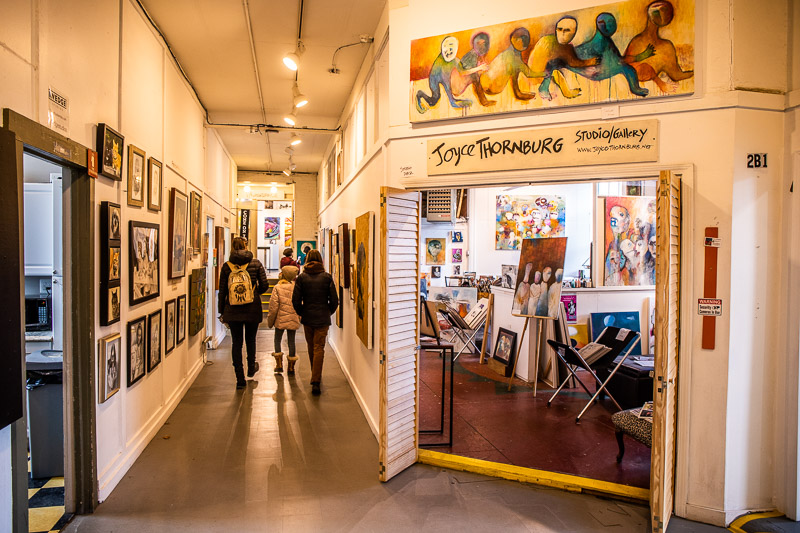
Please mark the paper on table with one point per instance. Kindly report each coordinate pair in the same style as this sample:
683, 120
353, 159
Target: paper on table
646, 364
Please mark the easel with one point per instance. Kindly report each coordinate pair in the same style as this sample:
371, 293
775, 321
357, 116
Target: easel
486, 327
540, 325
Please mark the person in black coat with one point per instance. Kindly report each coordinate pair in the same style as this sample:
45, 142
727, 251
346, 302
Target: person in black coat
315, 299
243, 320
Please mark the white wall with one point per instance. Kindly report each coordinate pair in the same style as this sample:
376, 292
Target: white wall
114, 69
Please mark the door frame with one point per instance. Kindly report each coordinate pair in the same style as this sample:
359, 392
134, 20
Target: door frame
80, 450
616, 172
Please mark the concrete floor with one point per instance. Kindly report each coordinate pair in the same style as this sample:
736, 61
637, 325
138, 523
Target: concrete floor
275, 458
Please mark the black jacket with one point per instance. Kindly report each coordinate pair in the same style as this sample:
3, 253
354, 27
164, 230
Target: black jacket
248, 312
315, 297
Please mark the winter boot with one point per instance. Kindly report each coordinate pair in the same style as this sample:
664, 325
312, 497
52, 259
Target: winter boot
278, 361
290, 369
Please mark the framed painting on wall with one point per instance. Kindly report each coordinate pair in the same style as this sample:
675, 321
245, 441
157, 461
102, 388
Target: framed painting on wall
154, 184
363, 278
197, 301
196, 233
136, 182
169, 327
272, 228
538, 284
528, 217
435, 251
154, 340
110, 261
108, 361
303, 247
629, 238
343, 245
178, 208
180, 319
137, 349
110, 145
143, 262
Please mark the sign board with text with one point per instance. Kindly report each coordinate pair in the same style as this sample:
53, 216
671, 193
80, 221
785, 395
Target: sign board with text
590, 144
709, 306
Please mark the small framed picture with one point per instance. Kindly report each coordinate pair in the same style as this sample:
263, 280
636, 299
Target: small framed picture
457, 237
109, 360
169, 327
113, 263
180, 320
178, 210
153, 340
195, 214
110, 145
436, 272
110, 304
137, 349
456, 270
136, 186
143, 264
113, 220
154, 184
457, 255
505, 349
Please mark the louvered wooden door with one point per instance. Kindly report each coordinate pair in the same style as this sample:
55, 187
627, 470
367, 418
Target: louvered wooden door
399, 330
667, 324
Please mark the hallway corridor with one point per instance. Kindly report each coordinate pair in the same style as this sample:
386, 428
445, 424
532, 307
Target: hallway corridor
274, 458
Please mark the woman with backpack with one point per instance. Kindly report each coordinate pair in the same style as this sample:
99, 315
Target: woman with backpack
315, 299
282, 317
242, 281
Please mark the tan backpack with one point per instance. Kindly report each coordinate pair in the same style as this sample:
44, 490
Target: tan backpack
240, 286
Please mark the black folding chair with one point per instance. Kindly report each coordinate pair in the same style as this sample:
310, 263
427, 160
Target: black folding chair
614, 338
431, 342
460, 329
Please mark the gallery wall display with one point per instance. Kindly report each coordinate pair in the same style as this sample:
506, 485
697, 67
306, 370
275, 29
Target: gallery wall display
169, 326
647, 51
197, 301
180, 320
110, 263
110, 146
527, 217
137, 349
538, 285
303, 247
436, 272
195, 221
136, 176
154, 184
505, 349
435, 251
457, 255
178, 210
363, 279
143, 263
629, 238
154, 340
109, 362
343, 245
458, 237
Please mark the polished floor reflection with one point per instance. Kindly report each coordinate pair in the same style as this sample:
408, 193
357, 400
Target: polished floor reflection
275, 458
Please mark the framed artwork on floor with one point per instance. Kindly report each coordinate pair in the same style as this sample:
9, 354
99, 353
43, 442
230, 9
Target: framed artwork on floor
110, 145
505, 349
169, 327
108, 361
154, 184
137, 349
196, 212
143, 262
153, 340
136, 169
180, 320
178, 210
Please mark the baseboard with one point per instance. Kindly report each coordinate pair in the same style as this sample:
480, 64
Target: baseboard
112, 475
222, 332
707, 515
373, 424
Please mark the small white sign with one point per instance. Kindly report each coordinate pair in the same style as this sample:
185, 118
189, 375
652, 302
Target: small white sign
57, 112
406, 171
713, 242
709, 306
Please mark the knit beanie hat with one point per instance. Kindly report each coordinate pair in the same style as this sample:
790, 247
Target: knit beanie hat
289, 272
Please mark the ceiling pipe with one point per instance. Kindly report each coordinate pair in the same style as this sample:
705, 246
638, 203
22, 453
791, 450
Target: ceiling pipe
246, 7
299, 129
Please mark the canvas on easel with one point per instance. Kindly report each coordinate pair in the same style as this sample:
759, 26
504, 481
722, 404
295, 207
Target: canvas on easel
538, 287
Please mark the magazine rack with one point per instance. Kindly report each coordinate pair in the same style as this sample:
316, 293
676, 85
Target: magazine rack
614, 338
461, 328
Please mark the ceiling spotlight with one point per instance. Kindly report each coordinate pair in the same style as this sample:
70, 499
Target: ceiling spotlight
287, 172
294, 139
247, 189
292, 59
292, 167
290, 119
273, 189
299, 99
363, 39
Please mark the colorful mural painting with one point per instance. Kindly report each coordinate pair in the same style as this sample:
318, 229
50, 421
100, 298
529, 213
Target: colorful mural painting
538, 284
623, 51
629, 228
272, 227
528, 217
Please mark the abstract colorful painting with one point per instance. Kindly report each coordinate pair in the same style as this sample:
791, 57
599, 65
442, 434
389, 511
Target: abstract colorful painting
538, 286
629, 227
287, 232
457, 255
362, 281
272, 228
623, 51
528, 217
435, 252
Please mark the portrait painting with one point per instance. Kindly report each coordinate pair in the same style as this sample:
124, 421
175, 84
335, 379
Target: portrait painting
629, 231
457, 255
177, 234
537, 290
435, 251
137, 349
180, 320
109, 364
303, 247
112, 305
169, 326
343, 245
436, 272
114, 221
113, 263
196, 205
630, 50
110, 145
197, 300
143, 262
154, 184
505, 349
456, 270
272, 228
363, 277
527, 217
154, 340
621, 319
136, 176
508, 276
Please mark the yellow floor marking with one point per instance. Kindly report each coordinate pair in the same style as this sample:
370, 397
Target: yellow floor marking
737, 525
54, 482
529, 475
44, 518
31, 492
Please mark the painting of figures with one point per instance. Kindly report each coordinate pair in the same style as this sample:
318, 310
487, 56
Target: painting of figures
362, 282
528, 217
628, 50
143, 262
272, 227
629, 227
538, 287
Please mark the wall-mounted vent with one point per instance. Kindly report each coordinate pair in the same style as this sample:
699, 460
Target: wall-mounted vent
440, 205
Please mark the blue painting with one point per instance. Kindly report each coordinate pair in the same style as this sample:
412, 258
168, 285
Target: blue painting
628, 320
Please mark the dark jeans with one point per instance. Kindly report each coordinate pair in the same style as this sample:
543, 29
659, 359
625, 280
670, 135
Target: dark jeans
290, 334
250, 329
316, 337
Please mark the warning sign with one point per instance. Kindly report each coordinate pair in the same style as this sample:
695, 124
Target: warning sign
709, 307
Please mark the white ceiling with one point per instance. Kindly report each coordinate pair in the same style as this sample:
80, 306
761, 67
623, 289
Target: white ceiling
210, 40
